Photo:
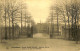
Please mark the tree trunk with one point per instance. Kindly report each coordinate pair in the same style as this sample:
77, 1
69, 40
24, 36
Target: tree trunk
12, 26
21, 20
57, 25
5, 23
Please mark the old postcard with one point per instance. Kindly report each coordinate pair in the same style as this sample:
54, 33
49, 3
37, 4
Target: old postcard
39, 25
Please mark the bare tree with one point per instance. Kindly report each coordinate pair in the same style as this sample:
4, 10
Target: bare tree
5, 22
72, 10
12, 10
51, 22
1, 20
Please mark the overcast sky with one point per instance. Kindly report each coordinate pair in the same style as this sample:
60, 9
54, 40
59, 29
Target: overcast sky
39, 9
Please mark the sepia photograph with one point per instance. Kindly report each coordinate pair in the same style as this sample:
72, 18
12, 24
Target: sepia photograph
39, 25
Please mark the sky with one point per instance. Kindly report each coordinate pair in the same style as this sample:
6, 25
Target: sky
39, 9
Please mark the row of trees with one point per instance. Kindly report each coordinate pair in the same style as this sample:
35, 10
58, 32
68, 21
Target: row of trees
14, 15
68, 12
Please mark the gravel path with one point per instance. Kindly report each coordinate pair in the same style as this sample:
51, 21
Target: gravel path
39, 44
